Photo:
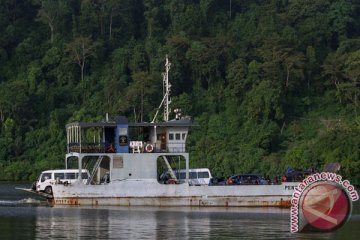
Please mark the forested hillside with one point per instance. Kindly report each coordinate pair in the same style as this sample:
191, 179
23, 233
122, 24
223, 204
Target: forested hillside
271, 83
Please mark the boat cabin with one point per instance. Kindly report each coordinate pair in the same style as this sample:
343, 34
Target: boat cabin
120, 136
118, 149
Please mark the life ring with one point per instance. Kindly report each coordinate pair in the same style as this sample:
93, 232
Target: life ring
149, 148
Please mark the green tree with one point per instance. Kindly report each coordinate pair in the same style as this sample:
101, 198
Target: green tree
263, 102
7, 139
341, 19
352, 71
79, 50
238, 83
185, 17
139, 94
333, 71
208, 59
113, 7
52, 13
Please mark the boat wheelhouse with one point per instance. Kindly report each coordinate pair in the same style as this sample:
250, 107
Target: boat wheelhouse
111, 146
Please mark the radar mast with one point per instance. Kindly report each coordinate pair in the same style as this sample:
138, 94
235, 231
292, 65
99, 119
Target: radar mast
166, 92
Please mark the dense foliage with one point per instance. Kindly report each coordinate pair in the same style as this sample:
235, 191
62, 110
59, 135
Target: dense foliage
271, 83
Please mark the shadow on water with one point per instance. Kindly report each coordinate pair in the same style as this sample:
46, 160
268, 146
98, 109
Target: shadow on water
25, 216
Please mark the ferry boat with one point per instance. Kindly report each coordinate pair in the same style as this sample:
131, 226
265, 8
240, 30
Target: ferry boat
137, 164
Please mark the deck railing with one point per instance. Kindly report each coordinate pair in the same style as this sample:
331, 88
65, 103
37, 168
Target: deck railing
106, 148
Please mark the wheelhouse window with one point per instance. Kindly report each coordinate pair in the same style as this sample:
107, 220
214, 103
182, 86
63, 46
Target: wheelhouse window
177, 136
183, 136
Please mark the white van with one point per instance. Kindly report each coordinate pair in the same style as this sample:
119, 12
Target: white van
64, 176
197, 176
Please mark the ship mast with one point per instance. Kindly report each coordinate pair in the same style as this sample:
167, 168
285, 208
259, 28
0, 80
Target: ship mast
166, 89
166, 92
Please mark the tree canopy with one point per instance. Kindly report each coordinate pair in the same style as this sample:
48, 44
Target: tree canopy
271, 83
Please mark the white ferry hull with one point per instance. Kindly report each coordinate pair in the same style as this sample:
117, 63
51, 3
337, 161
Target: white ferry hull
138, 193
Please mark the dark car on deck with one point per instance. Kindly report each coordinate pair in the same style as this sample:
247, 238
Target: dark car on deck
297, 175
217, 181
246, 179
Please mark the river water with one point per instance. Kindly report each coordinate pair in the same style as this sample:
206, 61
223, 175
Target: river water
26, 216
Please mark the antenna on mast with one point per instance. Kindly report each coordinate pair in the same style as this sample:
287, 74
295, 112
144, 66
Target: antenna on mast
166, 92
167, 89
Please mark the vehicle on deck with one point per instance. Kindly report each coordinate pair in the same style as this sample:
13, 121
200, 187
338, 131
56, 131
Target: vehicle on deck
296, 175
217, 181
60, 176
197, 176
246, 179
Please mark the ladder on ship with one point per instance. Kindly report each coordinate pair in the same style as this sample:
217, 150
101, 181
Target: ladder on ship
95, 168
172, 174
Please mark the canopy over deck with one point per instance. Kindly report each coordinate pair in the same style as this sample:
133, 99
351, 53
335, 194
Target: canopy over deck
121, 136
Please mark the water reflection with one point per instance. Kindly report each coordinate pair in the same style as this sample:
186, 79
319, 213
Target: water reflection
72, 223
39, 222
166, 223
